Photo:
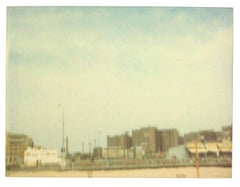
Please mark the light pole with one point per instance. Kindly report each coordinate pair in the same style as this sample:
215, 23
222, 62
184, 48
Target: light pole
98, 149
82, 148
63, 141
197, 164
89, 146
98, 145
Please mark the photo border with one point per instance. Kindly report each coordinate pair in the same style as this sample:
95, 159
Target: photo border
26, 181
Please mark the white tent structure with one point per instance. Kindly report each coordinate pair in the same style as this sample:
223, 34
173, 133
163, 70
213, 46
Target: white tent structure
192, 147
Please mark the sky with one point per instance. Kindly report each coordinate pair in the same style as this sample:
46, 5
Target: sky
116, 69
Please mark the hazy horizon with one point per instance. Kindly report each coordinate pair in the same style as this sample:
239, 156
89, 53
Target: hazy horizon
116, 69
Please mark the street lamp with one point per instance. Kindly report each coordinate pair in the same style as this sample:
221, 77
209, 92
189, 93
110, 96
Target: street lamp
63, 148
89, 146
98, 134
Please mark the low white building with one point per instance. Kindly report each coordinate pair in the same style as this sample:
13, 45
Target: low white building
114, 152
136, 152
178, 153
39, 156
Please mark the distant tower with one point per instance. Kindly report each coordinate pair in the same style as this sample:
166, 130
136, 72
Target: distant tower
66, 147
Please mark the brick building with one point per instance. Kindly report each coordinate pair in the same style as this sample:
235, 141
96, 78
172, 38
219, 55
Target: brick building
208, 135
203, 135
168, 138
123, 141
16, 144
148, 138
191, 137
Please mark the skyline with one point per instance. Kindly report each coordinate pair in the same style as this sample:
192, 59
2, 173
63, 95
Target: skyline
116, 69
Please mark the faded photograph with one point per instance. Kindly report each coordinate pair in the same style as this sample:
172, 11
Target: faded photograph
122, 92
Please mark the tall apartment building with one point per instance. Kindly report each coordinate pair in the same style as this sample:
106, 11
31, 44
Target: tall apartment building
168, 138
16, 144
208, 135
123, 141
191, 137
227, 132
203, 135
147, 137
180, 140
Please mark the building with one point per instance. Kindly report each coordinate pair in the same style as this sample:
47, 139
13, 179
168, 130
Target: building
136, 152
114, 153
203, 135
191, 137
16, 144
153, 140
168, 138
219, 136
148, 138
180, 140
40, 156
224, 134
227, 132
225, 148
193, 147
208, 135
97, 153
123, 141
178, 153
212, 149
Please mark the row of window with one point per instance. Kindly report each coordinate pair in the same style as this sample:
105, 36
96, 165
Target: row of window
13, 159
42, 154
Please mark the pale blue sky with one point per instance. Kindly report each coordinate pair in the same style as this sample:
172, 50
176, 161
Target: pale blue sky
117, 69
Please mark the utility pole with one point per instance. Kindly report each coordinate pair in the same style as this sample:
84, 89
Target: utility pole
66, 147
89, 146
98, 149
197, 165
117, 148
98, 145
124, 145
63, 140
82, 147
94, 142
